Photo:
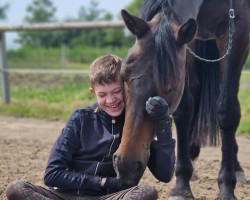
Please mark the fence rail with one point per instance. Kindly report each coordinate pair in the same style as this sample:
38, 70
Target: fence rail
4, 71
62, 26
47, 71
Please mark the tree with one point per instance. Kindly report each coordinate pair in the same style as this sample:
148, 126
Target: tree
88, 37
43, 11
96, 37
135, 7
112, 37
39, 11
92, 13
3, 10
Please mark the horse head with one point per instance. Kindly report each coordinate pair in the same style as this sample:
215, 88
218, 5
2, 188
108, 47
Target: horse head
153, 66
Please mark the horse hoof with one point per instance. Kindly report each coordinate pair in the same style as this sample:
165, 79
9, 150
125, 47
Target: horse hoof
240, 176
180, 198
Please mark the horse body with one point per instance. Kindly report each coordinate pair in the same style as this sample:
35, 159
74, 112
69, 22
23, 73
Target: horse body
202, 95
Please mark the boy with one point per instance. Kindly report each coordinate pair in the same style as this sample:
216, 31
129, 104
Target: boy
80, 164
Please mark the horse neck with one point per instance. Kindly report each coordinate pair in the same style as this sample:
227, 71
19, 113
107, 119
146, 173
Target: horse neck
186, 9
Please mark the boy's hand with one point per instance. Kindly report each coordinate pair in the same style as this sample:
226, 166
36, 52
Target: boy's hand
114, 184
158, 110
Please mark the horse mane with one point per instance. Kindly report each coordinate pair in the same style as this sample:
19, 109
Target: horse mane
165, 48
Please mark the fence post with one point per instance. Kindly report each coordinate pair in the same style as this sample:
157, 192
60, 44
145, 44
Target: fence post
3, 70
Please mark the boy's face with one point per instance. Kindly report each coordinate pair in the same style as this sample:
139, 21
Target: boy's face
109, 97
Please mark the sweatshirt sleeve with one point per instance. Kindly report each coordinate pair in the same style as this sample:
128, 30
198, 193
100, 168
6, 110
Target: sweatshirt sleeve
162, 156
57, 173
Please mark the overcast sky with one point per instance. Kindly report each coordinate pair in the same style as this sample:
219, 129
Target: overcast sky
65, 8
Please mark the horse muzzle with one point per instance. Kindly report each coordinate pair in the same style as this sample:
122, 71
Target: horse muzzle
129, 170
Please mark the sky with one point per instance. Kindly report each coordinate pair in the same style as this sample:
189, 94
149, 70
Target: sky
65, 8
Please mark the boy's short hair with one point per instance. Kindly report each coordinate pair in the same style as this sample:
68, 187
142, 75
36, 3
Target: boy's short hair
105, 70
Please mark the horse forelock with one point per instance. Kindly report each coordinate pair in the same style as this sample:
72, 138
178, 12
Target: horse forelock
165, 52
165, 48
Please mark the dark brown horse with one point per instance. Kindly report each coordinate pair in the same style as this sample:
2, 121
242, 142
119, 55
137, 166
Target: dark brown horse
200, 87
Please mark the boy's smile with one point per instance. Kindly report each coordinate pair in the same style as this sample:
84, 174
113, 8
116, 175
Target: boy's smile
109, 97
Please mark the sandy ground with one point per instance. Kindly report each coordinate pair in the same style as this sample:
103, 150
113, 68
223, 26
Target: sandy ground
25, 145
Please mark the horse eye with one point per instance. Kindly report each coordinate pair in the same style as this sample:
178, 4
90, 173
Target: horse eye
129, 60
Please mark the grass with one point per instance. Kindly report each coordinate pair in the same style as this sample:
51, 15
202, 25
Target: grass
244, 98
56, 96
46, 96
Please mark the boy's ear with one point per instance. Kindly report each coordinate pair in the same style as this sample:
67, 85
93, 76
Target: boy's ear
92, 91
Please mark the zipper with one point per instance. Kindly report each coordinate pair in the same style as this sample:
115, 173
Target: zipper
110, 148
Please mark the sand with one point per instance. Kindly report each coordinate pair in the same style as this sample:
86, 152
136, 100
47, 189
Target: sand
26, 143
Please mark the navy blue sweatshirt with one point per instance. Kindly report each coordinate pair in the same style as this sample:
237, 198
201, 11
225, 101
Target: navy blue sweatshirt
83, 152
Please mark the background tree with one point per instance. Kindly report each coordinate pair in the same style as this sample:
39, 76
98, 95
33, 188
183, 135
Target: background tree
97, 37
44, 11
3, 10
39, 11
113, 37
89, 37
134, 7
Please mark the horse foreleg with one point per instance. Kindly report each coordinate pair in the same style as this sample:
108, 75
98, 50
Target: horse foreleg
228, 112
184, 169
240, 176
226, 178
194, 154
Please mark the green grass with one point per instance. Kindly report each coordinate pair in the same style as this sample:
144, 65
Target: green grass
247, 64
46, 96
56, 96
244, 97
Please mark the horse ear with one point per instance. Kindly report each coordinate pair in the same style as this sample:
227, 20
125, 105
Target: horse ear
136, 25
187, 32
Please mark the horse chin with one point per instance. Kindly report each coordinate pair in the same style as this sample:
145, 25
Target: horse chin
129, 182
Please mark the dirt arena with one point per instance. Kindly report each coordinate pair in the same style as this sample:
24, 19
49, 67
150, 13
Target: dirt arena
25, 145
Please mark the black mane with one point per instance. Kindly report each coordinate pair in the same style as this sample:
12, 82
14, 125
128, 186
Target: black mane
165, 48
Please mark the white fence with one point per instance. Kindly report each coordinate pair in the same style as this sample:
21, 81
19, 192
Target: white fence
4, 71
